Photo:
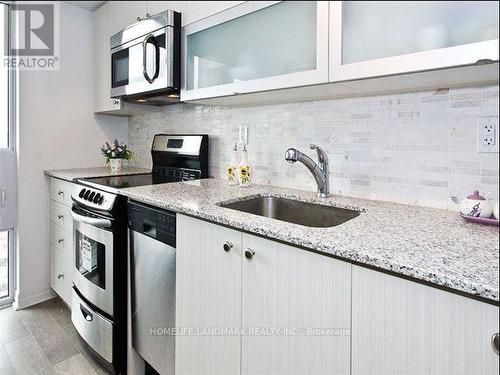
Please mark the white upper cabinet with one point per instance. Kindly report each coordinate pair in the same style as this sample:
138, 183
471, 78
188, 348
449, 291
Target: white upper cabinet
256, 46
191, 10
377, 38
103, 28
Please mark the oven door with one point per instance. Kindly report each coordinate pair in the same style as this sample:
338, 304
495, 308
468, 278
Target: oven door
93, 247
143, 65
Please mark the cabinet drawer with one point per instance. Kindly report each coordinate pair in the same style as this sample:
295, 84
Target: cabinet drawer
61, 238
61, 274
61, 215
60, 191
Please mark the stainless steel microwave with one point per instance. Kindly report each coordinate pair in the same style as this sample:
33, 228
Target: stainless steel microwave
146, 61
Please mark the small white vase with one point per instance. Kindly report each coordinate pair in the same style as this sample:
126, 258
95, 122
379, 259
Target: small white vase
116, 165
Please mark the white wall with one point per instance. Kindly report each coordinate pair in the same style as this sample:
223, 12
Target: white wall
56, 129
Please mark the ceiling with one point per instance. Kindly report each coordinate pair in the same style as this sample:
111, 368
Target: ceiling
90, 5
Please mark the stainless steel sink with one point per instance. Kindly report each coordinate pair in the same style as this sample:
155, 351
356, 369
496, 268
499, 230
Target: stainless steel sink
293, 211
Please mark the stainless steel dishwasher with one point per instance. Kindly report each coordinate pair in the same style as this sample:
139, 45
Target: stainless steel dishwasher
152, 277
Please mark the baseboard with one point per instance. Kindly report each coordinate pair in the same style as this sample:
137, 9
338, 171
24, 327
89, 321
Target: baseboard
21, 302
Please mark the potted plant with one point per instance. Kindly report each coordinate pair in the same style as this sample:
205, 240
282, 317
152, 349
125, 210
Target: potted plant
115, 154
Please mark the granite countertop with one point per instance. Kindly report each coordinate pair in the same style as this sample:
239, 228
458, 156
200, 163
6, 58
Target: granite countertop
431, 245
72, 174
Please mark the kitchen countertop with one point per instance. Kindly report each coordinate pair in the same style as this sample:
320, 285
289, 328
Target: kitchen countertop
72, 174
430, 245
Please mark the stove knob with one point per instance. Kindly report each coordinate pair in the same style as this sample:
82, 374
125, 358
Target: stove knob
91, 196
82, 192
86, 195
101, 199
97, 198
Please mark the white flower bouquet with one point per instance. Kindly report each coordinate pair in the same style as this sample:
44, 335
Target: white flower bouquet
118, 150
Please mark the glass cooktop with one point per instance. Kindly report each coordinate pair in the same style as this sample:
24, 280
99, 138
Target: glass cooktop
123, 182
163, 175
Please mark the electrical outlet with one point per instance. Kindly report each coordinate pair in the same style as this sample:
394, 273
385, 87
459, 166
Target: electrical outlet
487, 134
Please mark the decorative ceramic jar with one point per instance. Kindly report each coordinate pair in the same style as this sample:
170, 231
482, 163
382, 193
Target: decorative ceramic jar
476, 205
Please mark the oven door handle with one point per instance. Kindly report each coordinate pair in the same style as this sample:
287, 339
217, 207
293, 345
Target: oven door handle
102, 223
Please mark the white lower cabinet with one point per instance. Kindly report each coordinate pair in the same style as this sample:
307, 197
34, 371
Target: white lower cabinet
61, 277
304, 313
304, 295
208, 295
293, 306
401, 327
61, 238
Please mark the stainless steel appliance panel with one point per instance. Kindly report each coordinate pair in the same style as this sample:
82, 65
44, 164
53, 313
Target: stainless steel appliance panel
99, 295
153, 301
96, 330
141, 59
145, 60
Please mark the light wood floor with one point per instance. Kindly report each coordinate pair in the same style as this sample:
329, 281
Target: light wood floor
42, 340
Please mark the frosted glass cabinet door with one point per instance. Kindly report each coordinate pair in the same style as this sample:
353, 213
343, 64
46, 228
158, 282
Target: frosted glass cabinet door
376, 38
256, 46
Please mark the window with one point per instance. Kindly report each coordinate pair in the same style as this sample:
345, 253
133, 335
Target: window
4, 264
7, 167
4, 78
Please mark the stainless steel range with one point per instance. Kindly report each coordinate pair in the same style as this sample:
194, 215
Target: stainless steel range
99, 305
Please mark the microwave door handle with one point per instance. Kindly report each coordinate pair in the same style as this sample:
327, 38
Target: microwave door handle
102, 223
150, 39
157, 60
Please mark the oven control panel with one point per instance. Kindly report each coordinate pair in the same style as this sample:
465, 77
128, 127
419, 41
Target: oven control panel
93, 198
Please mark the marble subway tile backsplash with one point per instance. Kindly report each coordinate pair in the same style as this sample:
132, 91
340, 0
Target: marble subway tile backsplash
418, 148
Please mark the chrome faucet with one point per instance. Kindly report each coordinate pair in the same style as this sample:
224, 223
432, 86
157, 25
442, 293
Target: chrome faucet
319, 170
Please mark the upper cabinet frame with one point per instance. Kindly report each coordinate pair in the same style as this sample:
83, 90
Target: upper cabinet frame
293, 79
456, 56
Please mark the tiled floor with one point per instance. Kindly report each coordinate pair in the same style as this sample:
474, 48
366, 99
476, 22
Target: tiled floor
42, 340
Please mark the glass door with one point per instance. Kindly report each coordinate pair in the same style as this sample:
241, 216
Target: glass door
7, 168
377, 38
256, 46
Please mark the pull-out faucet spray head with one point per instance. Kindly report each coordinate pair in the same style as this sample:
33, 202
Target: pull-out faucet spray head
291, 155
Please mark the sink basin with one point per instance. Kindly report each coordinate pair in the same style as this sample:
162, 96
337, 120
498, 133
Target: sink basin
292, 211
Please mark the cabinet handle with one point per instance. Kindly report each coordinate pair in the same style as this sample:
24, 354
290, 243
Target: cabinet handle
148, 15
60, 240
116, 102
60, 216
3, 197
249, 254
495, 342
60, 192
139, 19
484, 62
227, 246
60, 276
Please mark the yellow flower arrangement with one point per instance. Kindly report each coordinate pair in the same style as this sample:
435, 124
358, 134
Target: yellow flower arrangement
230, 173
244, 174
